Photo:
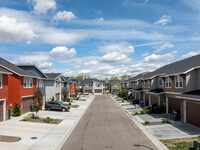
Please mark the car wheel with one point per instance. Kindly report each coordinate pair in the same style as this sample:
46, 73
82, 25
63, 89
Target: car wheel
63, 109
49, 108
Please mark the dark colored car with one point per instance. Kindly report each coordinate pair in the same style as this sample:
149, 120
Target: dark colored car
54, 105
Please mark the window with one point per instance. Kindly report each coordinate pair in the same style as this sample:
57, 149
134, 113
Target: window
97, 85
0, 81
148, 83
28, 82
57, 84
168, 82
179, 82
144, 84
160, 82
40, 83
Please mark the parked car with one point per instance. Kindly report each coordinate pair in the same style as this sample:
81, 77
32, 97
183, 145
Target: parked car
54, 105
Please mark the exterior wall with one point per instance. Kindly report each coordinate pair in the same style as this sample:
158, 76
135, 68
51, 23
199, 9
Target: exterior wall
4, 90
51, 89
98, 88
73, 88
173, 89
154, 99
191, 80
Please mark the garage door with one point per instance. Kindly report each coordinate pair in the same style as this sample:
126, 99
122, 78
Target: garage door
98, 91
137, 96
154, 99
192, 113
1, 110
88, 91
26, 103
173, 104
57, 96
146, 97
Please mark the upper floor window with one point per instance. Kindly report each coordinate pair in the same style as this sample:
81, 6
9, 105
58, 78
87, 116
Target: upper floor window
144, 84
0, 81
179, 82
160, 82
28, 82
168, 82
40, 83
97, 85
57, 84
148, 83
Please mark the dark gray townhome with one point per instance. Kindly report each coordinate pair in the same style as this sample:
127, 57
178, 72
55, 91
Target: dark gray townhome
88, 85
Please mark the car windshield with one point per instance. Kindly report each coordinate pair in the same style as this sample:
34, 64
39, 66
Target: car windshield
60, 103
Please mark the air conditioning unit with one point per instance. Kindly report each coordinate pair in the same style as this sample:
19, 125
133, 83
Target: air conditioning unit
196, 145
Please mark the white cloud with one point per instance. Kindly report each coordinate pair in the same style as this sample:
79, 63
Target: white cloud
165, 57
64, 15
34, 57
113, 57
45, 65
12, 30
164, 20
123, 48
90, 63
164, 46
42, 6
145, 54
61, 51
190, 54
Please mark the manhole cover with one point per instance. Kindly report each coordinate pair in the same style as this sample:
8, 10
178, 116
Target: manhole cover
33, 138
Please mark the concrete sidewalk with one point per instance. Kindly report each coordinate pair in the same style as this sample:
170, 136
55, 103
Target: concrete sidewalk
55, 138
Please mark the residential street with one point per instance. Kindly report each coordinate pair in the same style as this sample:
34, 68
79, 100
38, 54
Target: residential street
106, 126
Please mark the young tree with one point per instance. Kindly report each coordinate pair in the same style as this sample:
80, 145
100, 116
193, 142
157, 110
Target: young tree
64, 94
114, 78
37, 101
125, 77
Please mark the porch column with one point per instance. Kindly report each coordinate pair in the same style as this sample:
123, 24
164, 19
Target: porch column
135, 96
184, 111
166, 99
159, 100
149, 100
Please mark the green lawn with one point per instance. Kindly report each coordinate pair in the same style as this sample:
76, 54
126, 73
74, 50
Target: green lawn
180, 144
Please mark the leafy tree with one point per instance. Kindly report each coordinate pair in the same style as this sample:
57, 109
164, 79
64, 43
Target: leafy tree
37, 101
64, 94
125, 77
114, 78
95, 79
123, 92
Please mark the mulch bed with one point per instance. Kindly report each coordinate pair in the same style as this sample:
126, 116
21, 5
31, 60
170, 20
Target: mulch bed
153, 123
40, 120
74, 106
4, 138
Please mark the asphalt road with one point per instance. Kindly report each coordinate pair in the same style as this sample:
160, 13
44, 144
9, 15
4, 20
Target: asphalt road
105, 126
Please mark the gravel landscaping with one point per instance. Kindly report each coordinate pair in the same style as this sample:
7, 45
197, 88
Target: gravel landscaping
4, 138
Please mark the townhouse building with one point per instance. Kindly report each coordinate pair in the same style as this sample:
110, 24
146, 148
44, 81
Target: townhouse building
41, 77
19, 87
54, 85
98, 87
114, 86
73, 86
88, 85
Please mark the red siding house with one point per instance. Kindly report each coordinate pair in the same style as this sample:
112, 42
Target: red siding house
21, 85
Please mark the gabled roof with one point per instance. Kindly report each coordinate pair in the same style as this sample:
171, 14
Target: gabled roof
53, 75
114, 81
67, 79
3, 71
24, 66
137, 77
192, 95
179, 67
102, 81
88, 81
14, 69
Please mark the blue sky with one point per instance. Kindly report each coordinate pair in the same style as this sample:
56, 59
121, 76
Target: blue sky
100, 38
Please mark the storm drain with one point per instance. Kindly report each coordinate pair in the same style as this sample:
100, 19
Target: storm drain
33, 138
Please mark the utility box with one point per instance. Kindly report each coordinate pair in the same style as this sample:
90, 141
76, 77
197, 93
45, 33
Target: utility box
196, 145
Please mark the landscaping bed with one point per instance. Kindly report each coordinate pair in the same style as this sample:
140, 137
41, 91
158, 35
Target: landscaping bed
180, 144
153, 123
74, 106
4, 138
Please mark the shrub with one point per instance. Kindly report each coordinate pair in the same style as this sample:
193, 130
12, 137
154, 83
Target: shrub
48, 120
28, 117
16, 110
52, 99
146, 122
123, 100
142, 112
9, 113
136, 113
164, 121
148, 111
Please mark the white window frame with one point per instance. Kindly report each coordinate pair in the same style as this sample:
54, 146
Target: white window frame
40, 83
29, 82
178, 80
1, 80
168, 81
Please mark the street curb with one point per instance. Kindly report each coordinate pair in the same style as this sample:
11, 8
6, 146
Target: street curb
66, 136
154, 140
